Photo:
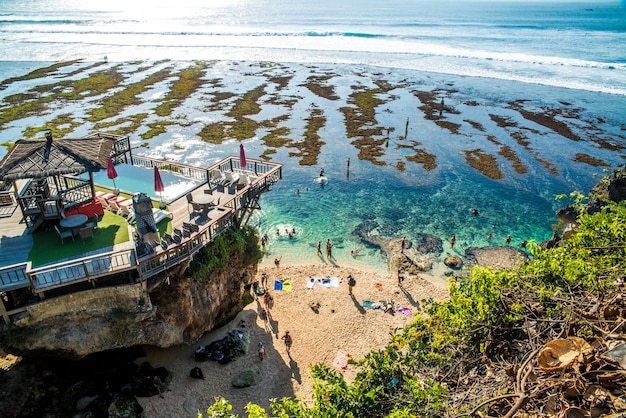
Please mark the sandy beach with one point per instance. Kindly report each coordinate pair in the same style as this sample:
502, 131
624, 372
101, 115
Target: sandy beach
341, 328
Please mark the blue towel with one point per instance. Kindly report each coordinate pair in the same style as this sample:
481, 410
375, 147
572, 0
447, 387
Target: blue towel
278, 285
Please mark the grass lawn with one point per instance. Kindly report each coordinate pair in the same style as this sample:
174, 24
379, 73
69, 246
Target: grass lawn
47, 248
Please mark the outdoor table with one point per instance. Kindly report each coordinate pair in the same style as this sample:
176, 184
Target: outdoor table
205, 201
74, 222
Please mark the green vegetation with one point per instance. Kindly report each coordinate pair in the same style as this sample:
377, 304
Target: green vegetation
455, 357
234, 242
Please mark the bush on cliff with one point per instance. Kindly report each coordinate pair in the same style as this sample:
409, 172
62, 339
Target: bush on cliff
239, 242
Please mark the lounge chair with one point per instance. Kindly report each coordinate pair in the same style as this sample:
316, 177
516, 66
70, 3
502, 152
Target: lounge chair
128, 212
160, 214
64, 234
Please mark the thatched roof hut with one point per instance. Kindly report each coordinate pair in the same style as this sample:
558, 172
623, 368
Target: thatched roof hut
34, 159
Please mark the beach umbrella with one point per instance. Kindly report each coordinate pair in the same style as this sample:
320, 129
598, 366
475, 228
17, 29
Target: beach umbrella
242, 157
158, 182
111, 172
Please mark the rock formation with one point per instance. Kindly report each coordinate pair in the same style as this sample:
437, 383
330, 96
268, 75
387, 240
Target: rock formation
177, 312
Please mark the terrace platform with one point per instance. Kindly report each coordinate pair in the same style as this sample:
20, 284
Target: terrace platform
235, 200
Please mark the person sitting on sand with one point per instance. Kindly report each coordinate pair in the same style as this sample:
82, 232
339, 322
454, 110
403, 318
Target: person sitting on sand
389, 306
277, 261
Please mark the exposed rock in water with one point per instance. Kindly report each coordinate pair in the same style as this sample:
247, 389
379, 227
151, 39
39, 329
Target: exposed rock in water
552, 242
495, 256
416, 257
454, 262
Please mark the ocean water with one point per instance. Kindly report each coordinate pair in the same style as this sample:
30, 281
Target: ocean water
488, 52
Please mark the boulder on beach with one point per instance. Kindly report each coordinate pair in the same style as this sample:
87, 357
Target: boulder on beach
495, 256
248, 377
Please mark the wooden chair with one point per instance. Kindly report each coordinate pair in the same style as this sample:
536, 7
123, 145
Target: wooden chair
86, 233
64, 234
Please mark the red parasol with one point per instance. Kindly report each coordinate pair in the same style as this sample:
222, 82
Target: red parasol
111, 172
242, 157
158, 182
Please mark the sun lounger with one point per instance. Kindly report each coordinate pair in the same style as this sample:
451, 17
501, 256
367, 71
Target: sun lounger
160, 214
311, 282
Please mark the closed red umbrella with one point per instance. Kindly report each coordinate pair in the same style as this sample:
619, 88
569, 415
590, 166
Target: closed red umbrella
242, 157
111, 172
158, 182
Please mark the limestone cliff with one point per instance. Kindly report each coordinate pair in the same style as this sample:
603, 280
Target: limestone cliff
178, 311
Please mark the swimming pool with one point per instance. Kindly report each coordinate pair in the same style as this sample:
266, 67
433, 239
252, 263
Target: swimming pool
133, 179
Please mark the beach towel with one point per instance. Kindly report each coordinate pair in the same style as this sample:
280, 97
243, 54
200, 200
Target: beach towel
311, 282
278, 285
334, 281
286, 286
403, 310
368, 304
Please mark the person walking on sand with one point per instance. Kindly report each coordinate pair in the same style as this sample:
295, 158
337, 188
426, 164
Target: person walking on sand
264, 280
400, 276
351, 284
288, 342
452, 241
267, 299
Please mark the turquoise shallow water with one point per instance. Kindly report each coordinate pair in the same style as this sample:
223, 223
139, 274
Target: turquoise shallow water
400, 206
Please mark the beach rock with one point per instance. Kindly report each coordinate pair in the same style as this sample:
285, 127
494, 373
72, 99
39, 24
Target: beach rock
495, 256
416, 257
453, 261
248, 377
552, 242
126, 407
429, 244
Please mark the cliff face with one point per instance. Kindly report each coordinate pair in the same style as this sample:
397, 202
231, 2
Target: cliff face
177, 312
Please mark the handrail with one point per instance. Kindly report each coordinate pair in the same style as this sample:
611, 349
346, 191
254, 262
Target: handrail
15, 276
164, 259
87, 268
184, 170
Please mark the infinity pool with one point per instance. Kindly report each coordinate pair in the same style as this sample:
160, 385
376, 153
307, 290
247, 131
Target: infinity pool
132, 179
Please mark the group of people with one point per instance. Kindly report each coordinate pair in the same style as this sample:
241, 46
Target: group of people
329, 249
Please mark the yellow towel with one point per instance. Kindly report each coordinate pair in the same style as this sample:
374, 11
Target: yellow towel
286, 286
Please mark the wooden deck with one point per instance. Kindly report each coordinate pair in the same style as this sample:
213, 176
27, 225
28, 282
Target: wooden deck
233, 206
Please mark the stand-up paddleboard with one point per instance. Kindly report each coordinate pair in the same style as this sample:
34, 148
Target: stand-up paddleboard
321, 180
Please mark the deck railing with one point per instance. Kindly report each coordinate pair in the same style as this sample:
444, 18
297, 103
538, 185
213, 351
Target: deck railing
184, 170
15, 276
82, 269
164, 259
